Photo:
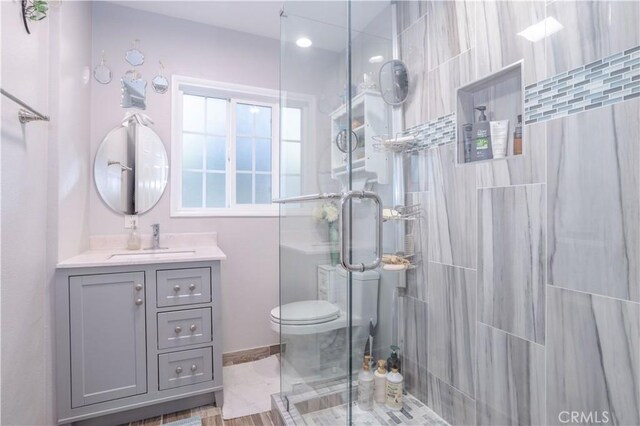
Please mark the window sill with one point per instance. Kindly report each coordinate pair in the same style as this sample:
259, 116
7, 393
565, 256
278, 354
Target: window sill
225, 213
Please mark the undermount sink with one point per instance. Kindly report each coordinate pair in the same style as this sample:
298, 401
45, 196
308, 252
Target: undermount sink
152, 255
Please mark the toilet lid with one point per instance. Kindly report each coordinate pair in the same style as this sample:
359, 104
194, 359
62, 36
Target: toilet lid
305, 312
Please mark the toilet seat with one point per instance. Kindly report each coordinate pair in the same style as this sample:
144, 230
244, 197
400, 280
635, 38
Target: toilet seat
307, 312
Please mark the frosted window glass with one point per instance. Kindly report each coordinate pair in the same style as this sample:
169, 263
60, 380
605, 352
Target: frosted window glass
290, 158
244, 120
244, 188
216, 153
191, 189
216, 190
291, 124
263, 121
263, 189
216, 116
263, 155
291, 186
244, 154
192, 151
193, 113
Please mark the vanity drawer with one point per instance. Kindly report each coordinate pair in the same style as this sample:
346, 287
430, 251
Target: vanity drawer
177, 287
183, 328
185, 368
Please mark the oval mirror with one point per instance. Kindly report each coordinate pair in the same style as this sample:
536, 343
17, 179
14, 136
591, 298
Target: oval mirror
131, 168
394, 82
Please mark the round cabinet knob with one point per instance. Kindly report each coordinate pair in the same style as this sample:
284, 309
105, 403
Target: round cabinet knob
178, 370
176, 287
178, 329
194, 367
138, 302
193, 327
138, 287
192, 287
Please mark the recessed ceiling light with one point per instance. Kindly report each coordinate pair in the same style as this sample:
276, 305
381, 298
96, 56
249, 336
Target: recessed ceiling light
542, 29
303, 42
376, 59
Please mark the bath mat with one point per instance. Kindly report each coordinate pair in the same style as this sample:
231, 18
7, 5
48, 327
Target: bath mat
248, 387
191, 421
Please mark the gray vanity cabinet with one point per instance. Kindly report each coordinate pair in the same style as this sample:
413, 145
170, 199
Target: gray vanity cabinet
136, 341
108, 337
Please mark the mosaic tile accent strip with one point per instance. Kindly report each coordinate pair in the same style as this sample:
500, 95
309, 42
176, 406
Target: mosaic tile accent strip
436, 132
604, 82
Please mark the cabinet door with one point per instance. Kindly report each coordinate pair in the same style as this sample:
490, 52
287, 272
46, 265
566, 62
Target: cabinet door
108, 344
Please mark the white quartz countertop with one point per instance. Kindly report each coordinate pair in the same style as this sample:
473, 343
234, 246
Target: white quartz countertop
110, 250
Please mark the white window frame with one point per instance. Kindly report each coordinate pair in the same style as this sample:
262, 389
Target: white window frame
235, 94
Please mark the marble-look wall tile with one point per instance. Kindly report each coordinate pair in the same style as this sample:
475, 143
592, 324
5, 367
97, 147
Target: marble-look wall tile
523, 169
510, 379
452, 325
412, 340
408, 12
413, 52
592, 30
416, 232
452, 405
449, 29
452, 209
593, 357
416, 172
498, 43
593, 201
443, 81
511, 259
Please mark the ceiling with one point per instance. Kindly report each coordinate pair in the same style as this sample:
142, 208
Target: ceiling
319, 20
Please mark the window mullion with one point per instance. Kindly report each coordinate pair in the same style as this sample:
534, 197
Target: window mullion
231, 154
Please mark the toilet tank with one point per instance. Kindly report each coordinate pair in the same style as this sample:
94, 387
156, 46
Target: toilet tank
364, 293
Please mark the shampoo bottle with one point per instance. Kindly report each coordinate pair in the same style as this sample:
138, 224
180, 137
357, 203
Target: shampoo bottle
482, 136
467, 138
517, 137
394, 390
380, 382
365, 385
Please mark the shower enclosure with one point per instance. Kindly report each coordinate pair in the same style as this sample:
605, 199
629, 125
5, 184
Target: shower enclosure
337, 303
509, 278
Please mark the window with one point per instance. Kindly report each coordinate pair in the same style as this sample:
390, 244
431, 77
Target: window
225, 150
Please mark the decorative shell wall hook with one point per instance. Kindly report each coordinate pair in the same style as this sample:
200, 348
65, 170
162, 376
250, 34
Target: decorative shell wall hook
160, 83
134, 56
102, 73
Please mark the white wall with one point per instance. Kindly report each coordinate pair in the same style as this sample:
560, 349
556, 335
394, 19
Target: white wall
250, 275
25, 312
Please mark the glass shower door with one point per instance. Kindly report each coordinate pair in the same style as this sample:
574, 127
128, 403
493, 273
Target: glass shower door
333, 186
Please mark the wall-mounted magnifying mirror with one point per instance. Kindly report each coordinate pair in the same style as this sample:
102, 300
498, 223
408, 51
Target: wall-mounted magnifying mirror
394, 82
131, 167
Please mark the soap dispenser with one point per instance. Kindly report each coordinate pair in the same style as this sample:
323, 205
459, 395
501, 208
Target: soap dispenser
482, 136
134, 242
393, 360
365, 385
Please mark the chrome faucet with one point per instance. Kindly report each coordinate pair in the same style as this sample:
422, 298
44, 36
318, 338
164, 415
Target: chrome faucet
156, 237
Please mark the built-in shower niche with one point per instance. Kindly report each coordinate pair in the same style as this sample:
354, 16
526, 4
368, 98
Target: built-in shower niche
502, 94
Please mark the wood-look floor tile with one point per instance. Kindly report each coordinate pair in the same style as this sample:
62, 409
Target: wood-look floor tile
178, 415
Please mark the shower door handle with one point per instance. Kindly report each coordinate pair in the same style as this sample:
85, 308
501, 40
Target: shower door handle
344, 239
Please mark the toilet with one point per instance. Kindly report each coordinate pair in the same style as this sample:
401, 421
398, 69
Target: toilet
313, 332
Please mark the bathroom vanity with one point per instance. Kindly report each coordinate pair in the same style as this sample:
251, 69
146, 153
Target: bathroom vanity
138, 328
